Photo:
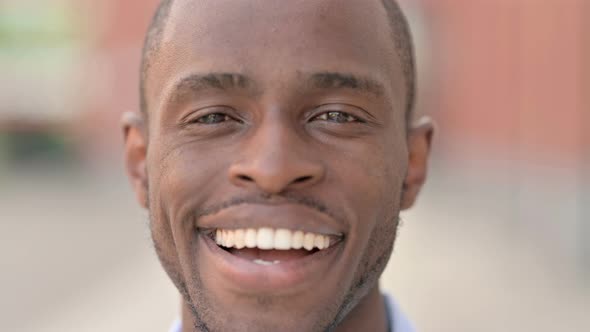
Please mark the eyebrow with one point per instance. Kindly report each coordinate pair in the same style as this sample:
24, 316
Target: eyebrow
224, 81
335, 80
221, 81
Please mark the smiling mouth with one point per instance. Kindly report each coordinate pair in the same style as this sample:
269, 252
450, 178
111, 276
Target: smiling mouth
268, 246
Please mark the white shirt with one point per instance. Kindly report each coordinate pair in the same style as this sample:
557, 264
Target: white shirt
398, 322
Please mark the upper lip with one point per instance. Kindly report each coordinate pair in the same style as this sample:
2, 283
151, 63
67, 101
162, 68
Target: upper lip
290, 216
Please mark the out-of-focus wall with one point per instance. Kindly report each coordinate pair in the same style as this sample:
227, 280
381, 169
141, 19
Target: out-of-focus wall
508, 87
508, 76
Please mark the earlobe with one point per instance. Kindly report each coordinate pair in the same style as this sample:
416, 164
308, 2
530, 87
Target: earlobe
419, 143
134, 133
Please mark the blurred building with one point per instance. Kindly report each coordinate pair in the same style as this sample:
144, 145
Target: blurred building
69, 68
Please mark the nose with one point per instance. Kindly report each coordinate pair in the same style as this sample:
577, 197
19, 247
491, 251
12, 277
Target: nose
275, 160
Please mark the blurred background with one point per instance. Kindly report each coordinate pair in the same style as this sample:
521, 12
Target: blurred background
499, 241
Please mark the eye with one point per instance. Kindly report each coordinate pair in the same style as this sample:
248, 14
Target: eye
336, 117
212, 118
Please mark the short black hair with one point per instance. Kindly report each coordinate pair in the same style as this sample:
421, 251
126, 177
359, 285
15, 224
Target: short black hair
404, 44
400, 28
151, 46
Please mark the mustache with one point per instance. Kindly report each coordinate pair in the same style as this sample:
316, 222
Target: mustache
266, 199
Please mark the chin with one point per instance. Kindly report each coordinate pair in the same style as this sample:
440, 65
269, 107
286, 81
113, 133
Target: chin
262, 314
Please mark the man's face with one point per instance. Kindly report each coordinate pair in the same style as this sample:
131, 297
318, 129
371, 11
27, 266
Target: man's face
273, 117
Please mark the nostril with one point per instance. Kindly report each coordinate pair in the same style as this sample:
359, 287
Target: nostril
245, 178
302, 179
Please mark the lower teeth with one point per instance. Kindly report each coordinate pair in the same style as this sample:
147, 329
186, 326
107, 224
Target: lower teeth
266, 263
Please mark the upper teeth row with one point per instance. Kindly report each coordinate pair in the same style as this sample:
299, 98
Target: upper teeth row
268, 238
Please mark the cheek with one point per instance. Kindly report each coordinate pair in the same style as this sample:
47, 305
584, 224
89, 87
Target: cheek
179, 180
373, 179
374, 196
388, 177
186, 175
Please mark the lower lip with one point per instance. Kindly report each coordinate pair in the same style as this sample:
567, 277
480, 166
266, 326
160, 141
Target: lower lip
287, 276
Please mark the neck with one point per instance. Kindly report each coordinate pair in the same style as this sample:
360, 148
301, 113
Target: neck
368, 315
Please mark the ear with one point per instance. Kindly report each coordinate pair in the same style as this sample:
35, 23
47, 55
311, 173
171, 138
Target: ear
135, 134
419, 143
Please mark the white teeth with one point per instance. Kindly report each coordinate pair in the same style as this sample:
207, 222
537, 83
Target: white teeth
269, 239
319, 241
250, 239
218, 237
308, 241
282, 239
297, 240
239, 238
263, 262
225, 238
265, 238
229, 239
222, 240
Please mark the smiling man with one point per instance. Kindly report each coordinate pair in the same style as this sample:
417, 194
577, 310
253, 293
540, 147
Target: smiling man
275, 150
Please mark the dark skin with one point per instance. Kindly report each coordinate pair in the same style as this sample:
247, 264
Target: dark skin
242, 106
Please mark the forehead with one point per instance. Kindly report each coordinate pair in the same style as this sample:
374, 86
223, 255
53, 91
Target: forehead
275, 40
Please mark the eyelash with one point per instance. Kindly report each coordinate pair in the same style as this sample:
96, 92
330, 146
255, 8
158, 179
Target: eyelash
200, 120
349, 117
